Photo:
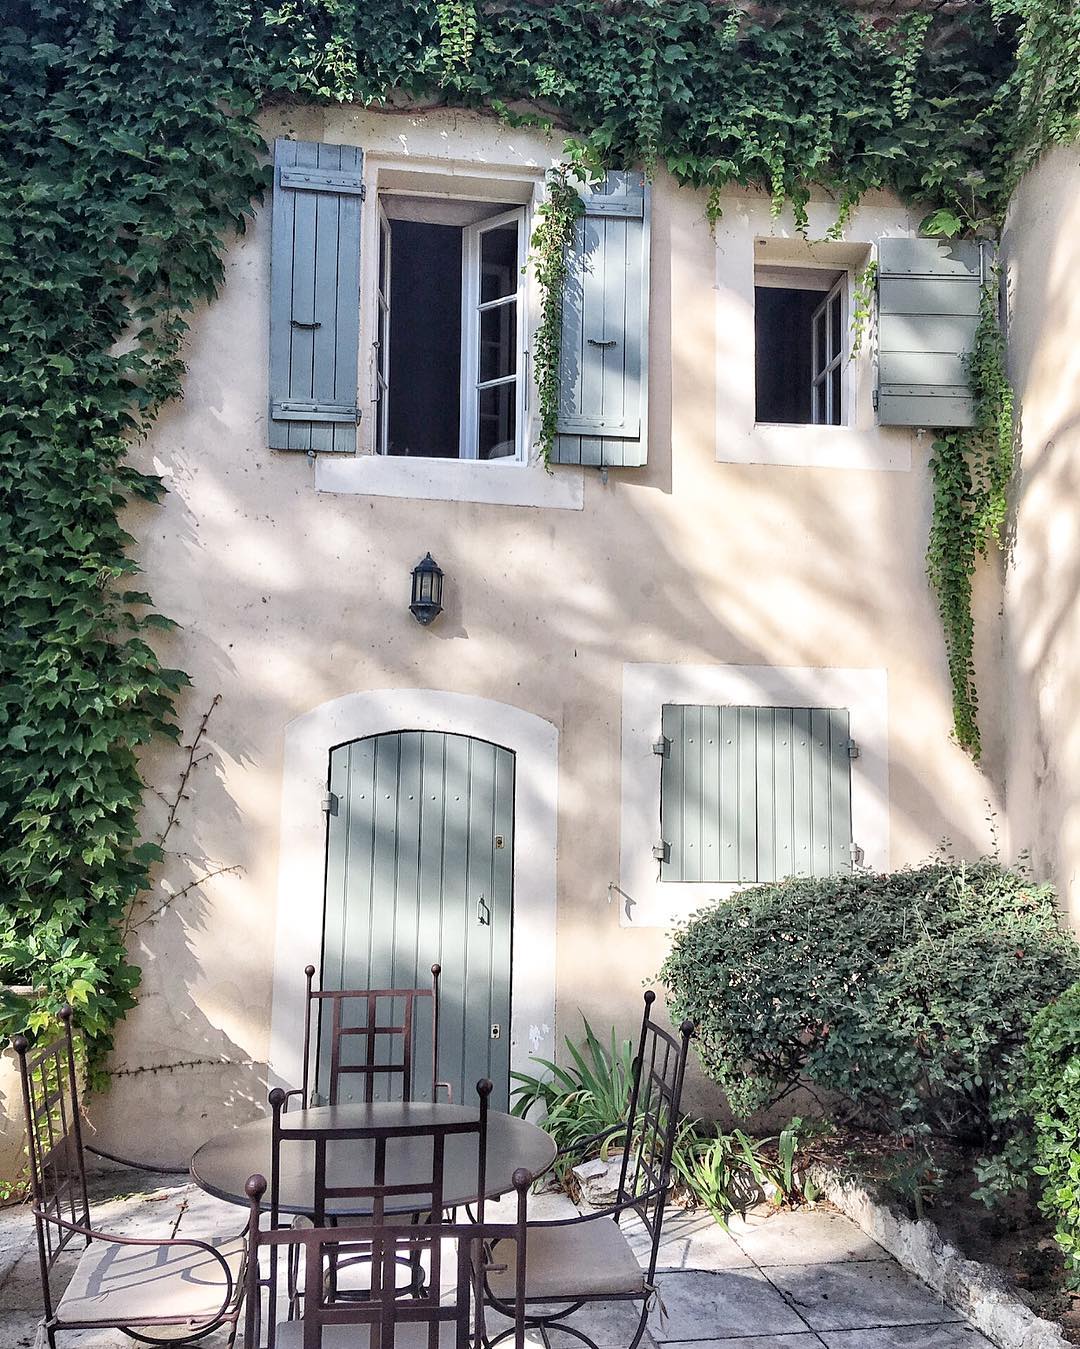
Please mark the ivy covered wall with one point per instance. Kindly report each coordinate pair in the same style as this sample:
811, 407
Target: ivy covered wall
131, 154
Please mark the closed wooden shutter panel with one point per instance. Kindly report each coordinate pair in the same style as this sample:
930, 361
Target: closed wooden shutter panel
315, 296
604, 364
755, 793
929, 292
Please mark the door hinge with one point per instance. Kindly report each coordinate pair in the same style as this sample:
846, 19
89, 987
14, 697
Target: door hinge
857, 855
852, 749
662, 746
329, 804
875, 400
662, 851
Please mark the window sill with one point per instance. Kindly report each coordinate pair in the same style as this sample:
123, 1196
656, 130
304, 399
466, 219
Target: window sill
810, 446
493, 484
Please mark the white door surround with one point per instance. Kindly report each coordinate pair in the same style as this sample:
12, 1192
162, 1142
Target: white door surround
301, 872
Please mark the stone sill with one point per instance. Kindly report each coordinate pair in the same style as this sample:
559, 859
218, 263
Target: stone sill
978, 1291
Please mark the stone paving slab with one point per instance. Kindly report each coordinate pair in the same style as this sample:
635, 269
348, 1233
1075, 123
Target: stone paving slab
799, 1340
802, 1237
907, 1337
858, 1294
706, 1305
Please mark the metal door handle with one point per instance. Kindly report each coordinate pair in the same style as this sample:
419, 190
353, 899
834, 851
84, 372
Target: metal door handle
296, 323
596, 342
482, 916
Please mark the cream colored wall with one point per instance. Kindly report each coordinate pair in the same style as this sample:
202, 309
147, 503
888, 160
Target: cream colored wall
1042, 613
288, 598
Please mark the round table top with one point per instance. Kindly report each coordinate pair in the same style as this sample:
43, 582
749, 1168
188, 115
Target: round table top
222, 1165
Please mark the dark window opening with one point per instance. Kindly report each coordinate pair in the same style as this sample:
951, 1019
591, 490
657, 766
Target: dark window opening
425, 339
783, 345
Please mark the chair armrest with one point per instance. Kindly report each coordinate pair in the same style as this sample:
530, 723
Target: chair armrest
232, 1286
287, 1097
570, 1148
609, 1211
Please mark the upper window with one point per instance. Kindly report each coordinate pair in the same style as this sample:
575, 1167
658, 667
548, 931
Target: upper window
754, 793
800, 334
449, 367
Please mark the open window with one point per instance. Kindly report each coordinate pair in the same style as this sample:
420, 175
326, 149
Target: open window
800, 334
449, 362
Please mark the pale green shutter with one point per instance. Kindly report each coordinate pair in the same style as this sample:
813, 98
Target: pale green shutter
928, 309
315, 296
604, 356
754, 793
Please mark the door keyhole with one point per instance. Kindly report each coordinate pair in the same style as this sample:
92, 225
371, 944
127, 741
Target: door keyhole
483, 913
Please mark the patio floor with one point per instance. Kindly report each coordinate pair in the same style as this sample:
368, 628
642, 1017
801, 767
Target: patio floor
799, 1280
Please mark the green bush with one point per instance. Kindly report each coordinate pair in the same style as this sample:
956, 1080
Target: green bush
908, 995
1053, 1060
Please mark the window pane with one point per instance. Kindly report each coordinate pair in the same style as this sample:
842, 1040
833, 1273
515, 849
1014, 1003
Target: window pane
498, 408
837, 314
837, 408
498, 263
498, 342
821, 359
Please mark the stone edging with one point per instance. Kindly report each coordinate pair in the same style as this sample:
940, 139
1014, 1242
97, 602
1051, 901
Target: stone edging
977, 1291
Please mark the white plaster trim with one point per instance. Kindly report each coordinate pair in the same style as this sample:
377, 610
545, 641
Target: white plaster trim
861, 444
301, 873
486, 481
653, 903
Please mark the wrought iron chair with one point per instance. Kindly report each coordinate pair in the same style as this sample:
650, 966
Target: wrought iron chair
161, 1291
575, 1261
376, 1039
415, 1151
437, 1318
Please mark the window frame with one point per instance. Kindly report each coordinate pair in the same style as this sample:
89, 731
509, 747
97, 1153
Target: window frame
380, 365
821, 372
472, 307
788, 275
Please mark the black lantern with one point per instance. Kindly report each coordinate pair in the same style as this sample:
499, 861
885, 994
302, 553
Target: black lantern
427, 581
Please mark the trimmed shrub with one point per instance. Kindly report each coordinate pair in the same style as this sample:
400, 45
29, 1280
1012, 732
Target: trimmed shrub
909, 994
1053, 1060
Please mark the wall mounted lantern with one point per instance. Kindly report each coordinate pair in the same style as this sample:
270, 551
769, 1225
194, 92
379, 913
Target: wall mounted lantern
427, 579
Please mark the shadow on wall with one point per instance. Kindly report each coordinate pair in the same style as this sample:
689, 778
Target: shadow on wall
288, 599
1042, 634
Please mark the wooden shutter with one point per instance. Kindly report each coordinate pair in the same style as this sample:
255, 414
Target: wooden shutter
755, 793
315, 296
604, 359
928, 309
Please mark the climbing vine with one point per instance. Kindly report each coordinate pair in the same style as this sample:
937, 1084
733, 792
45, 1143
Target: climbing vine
132, 152
862, 306
970, 470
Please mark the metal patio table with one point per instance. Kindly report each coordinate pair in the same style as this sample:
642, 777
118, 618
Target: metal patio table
223, 1165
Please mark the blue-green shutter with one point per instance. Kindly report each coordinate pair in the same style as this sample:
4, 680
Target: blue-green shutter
754, 793
604, 364
315, 296
928, 310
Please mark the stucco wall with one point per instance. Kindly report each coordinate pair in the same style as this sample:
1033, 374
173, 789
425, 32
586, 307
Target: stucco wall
1042, 616
288, 597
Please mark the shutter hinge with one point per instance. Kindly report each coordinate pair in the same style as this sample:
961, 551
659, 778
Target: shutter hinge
662, 851
852, 749
662, 746
857, 855
329, 804
875, 400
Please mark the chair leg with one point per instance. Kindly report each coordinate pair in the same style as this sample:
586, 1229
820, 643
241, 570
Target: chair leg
554, 1321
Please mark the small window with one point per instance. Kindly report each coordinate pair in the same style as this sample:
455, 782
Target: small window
449, 336
800, 328
750, 794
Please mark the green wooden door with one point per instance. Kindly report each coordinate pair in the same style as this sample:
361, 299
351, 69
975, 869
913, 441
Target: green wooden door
419, 869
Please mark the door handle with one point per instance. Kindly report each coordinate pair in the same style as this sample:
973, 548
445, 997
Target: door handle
596, 342
296, 323
483, 914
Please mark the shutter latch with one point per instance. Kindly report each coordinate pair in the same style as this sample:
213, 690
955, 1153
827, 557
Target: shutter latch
662, 746
852, 749
662, 851
329, 804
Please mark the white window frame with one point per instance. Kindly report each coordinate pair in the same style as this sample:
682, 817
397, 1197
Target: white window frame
821, 371
380, 378
808, 276
471, 309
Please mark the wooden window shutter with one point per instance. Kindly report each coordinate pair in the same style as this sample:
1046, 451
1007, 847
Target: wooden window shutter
928, 310
604, 364
754, 793
315, 296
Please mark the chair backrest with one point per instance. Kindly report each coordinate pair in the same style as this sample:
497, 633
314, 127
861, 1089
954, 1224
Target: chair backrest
388, 1246
384, 1025
356, 1167
653, 1121
54, 1139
